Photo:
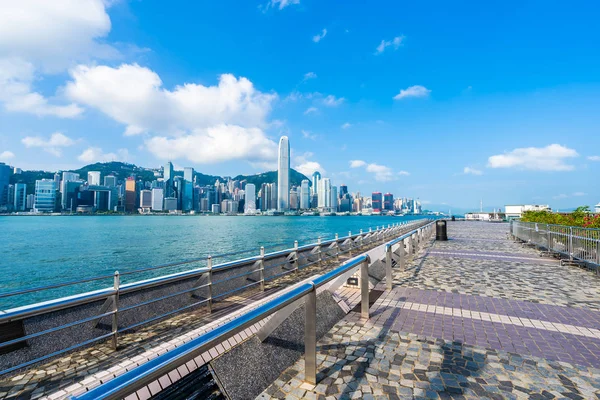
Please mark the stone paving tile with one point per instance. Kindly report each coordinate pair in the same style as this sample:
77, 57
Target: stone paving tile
360, 360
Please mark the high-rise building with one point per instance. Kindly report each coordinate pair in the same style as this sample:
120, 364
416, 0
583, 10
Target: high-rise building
146, 199
283, 175
304, 195
4, 181
17, 171
110, 181
131, 195
168, 175
316, 177
376, 201
334, 199
20, 197
294, 202
274, 197
250, 199
45, 196
93, 178
170, 204
30, 201
69, 191
187, 203
388, 202
157, 199
343, 190
327, 193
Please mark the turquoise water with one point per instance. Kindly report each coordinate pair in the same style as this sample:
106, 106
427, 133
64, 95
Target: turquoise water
39, 251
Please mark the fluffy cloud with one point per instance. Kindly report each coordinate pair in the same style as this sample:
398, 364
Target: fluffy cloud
7, 155
133, 95
594, 158
357, 163
403, 173
46, 37
472, 171
549, 158
51, 145
318, 37
280, 4
309, 75
395, 43
215, 144
413, 91
308, 135
95, 154
311, 110
306, 166
346, 125
381, 173
332, 101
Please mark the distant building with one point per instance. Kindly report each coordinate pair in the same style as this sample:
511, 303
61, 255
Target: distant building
17, 171
30, 201
170, 204
516, 211
250, 199
20, 197
376, 201
93, 178
215, 209
334, 199
188, 200
146, 199
5, 171
388, 202
316, 177
283, 174
294, 201
157, 199
131, 195
168, 175
304, 194
597, 208
110, 181
70, 194
45, 196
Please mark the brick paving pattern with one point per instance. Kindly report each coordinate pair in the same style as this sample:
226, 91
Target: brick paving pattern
478, 316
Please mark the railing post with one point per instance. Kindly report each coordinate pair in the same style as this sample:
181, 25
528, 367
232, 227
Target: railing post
296, 257
337, 247
364, 290
310, 337
388, 267
361, 239
570, 243
210, 289
351, 243
402, 255
319, 250
262, 268
115, 316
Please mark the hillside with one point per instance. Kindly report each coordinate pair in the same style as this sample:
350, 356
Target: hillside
123, 170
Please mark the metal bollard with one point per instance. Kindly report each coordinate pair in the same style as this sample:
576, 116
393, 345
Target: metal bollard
115, 319
210, 290
310, 338
262, 268
364, 290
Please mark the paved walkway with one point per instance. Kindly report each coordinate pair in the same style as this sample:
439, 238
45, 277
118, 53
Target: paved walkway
479, 316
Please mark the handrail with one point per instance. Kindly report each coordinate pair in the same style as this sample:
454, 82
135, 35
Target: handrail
148, 372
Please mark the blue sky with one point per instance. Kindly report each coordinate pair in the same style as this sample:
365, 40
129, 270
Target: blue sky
448, 102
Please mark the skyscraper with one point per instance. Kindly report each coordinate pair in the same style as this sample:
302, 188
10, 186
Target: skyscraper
188, 190
131, 195
20, 198
45, 195
388, 202
334, 199
316, 177
168, 178
326, 184
146, 199
283, 175
93, 178
110, 181
376, 201
4, 181
250, 199
304, 195
157, 199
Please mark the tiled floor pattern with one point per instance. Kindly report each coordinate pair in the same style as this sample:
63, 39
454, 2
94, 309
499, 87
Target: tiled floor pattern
461, 326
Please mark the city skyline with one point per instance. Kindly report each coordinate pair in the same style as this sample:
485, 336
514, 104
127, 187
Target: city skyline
404, 101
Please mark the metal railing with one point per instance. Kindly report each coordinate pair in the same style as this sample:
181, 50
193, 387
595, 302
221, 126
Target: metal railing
214, 281
573, 243
135, 379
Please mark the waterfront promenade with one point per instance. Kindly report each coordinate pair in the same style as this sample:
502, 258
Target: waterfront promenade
478, 316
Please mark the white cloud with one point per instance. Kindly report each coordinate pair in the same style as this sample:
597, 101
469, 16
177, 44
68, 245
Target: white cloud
133, 95
403, 173
549, 158
579, 194
308, 135
332, 101
40, 37
472, 171
395, 43
413, 91
311, 110
566, 196
357, 163
346, 125
318, 37
51, 145
280, 4
95, 154
594, 158
7, 155
306, 166
309, 75
216, 144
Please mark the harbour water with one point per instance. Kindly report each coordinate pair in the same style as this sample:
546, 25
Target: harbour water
39, 251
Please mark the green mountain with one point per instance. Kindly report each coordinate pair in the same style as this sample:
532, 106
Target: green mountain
123, 170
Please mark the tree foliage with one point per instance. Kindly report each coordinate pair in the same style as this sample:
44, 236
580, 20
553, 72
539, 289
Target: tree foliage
580, 217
